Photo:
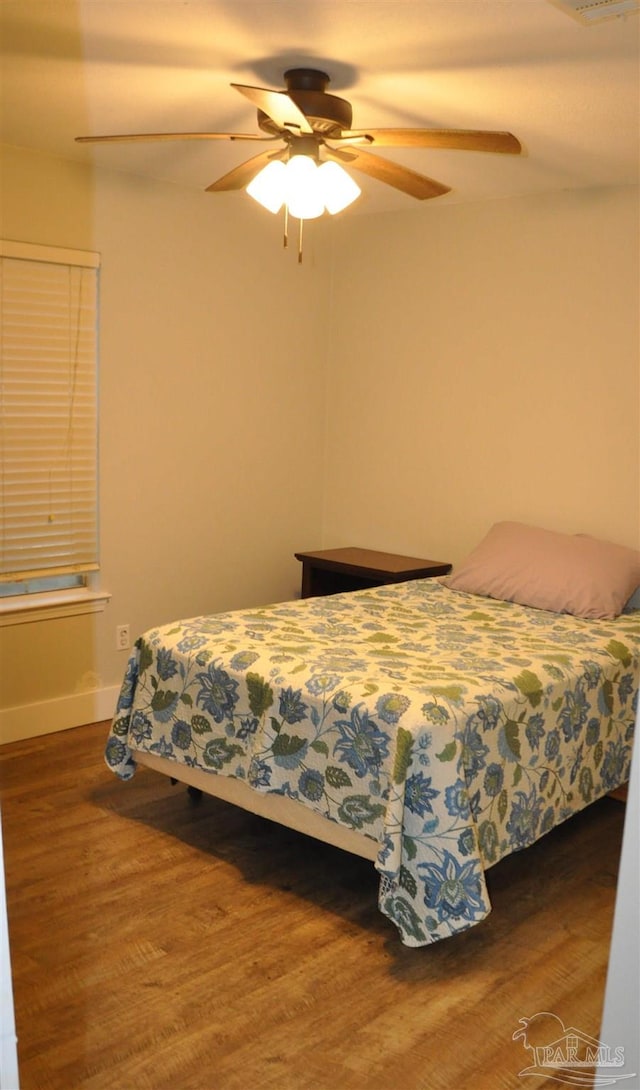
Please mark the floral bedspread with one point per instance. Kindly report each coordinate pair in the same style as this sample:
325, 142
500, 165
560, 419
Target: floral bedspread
452, 729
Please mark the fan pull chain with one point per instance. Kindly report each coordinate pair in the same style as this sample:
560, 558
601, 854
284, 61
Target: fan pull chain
285, 238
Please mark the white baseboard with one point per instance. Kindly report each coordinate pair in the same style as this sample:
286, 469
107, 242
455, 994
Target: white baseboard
8, 1052
62, 713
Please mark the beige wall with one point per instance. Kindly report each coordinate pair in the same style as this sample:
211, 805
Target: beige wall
211, 409
485, 365
481, 363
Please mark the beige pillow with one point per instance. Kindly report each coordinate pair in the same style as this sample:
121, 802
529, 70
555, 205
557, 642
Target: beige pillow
565, 573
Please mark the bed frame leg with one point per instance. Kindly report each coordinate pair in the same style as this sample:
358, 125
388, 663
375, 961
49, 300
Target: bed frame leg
194, 793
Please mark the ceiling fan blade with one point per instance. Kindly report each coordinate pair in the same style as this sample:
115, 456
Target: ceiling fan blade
400, 177
278, 105
172, 136
458, 139
342, 155
241, 175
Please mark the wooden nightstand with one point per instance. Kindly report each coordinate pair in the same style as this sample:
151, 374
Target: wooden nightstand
331, 571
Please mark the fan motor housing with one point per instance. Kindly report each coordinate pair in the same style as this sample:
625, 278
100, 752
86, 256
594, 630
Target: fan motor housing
327, 114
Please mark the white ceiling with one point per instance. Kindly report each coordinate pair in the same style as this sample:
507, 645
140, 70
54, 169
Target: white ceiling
571, 93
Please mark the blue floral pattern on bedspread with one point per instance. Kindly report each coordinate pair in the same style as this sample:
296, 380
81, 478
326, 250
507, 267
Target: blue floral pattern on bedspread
449, 728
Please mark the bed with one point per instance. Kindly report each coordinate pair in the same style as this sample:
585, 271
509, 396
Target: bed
426, 727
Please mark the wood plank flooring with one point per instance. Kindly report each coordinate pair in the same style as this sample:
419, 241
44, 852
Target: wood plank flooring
159, 944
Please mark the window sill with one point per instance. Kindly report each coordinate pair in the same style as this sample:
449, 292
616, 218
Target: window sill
25, 608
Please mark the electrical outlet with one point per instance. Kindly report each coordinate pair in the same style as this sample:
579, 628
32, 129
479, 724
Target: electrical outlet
123, 640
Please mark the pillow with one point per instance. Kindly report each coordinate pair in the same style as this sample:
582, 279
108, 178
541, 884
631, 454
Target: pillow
565, 573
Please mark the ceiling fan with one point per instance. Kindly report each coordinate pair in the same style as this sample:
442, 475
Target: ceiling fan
316, 125
308, 119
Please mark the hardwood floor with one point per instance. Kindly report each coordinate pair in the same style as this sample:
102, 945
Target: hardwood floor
161, 944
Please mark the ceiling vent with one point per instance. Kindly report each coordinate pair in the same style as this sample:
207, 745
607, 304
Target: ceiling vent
589, 12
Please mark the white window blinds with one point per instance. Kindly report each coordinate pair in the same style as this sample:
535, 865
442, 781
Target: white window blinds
48, 411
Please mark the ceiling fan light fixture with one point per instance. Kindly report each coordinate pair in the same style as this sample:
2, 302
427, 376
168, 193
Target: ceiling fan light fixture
303, 188
338, 188
268, 187
306, 188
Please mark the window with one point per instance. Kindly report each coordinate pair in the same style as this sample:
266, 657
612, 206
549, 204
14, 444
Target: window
48, 418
